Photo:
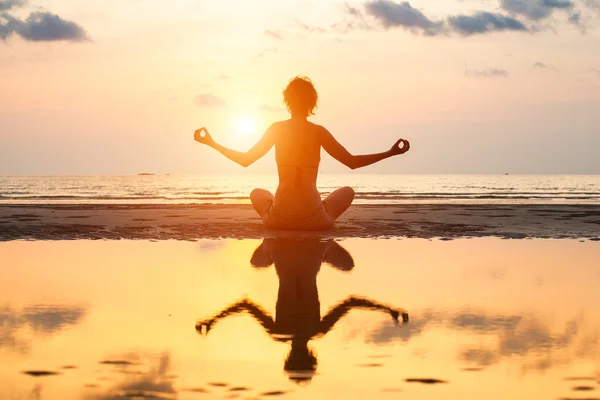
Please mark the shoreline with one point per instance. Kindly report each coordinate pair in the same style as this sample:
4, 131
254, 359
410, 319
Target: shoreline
239, 221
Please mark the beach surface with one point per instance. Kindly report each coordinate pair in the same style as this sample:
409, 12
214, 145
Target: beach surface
211, 221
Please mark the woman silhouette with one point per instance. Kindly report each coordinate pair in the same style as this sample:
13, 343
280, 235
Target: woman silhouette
297, 313
297, 203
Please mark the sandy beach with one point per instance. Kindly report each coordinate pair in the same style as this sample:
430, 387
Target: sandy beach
209, 221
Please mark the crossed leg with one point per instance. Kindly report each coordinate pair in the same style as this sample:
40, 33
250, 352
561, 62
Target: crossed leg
338, 201
261, 200
335, 204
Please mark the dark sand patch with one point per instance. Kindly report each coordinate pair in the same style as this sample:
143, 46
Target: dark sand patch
39, 373
117, 362
197, 390
142, 394
425, 381
239, 389
273, 393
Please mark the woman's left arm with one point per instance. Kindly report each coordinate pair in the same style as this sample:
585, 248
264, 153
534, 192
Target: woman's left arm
261, 148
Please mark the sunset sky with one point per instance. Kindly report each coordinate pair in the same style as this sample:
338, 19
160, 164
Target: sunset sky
477, 86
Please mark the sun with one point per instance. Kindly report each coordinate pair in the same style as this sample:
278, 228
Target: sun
244, 125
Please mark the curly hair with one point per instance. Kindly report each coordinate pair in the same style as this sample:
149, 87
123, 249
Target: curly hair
300, 96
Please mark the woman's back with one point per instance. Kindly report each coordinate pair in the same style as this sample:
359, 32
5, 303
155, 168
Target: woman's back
298, 153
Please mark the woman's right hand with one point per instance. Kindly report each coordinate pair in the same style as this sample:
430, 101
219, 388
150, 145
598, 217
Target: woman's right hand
397, 150
202, 136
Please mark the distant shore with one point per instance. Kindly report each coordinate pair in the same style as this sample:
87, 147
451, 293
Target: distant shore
191, 222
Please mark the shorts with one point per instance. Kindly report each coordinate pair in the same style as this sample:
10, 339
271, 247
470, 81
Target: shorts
318, 220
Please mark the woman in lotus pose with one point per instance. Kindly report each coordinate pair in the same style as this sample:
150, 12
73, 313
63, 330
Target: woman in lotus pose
298, 309
297, 203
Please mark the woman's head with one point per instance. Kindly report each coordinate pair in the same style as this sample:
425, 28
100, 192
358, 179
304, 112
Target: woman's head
300, 97
301, 362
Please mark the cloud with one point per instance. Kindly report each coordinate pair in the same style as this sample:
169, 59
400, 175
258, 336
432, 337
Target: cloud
575, 19
596, 70
8, 25
541, 65
209, 100
490, 72
535, 9
222, 77
593, 4
45, 26
352, 10
6, 5
273, 34
40, 27
311, 28
484, 22
392, 15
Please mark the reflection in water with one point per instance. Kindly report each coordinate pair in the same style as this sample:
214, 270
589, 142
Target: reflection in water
45, 319
156, 383
526, 336
298, 314
501, 334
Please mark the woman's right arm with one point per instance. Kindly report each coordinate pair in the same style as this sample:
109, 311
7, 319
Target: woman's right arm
244, 159
339, 152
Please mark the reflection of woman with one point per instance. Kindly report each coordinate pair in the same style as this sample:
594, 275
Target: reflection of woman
297, 202
298, 315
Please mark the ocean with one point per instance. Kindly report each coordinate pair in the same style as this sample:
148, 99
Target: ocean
370, 189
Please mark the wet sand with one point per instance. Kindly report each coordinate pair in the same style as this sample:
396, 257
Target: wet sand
192, 222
